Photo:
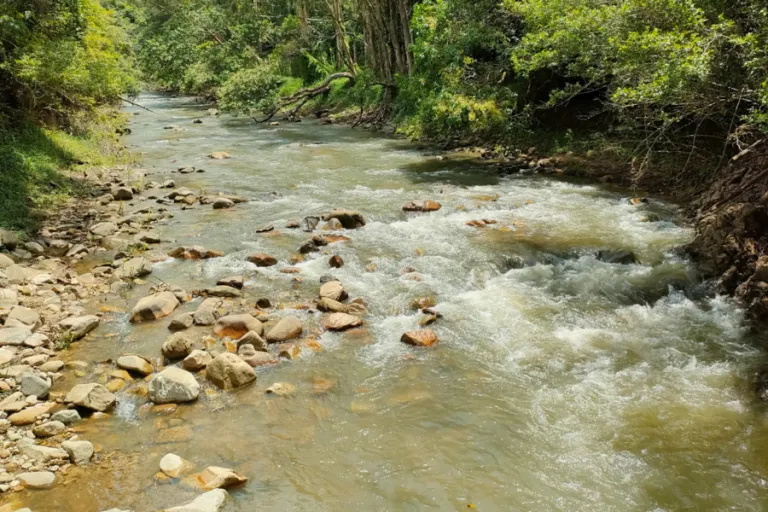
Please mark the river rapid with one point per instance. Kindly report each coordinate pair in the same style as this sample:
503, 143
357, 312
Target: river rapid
561, 382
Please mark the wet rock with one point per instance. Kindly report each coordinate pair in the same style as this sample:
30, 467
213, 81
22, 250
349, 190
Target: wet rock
349, 219
25, 316
333, 225
263, 303
196, 360
281, 389
287, 328
49, 429
308, 224
80, 452
336, 262
122, 194
265, 229
37, 479
91, 396
172, 465
207, 312
228, 371
423, 303
232, 281
637, 201
78, 326
422, 206
219, 155
308, 247
252, 339
236, 326
288, 351
223, 291
34, 385
154, 306
333, 290
182, 322
340, 322
332, 306
262, 260
30, 414
223, 203
420, 338
14, 336
67, 416
135, 364
173, 385
255, 357
211, 501
177, 346
616, 256
194, 252
214, 477
103, 229
134, 268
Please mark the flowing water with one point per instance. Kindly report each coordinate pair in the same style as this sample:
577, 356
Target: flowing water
570, 384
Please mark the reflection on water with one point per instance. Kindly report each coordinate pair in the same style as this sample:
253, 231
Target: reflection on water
561, 382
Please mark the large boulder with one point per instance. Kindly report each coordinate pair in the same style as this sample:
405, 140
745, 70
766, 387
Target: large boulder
333, 290
177, 346
211, 501
214, 477
236, 326
135, 364
228, 371
79, 326
420, 338
340, 322
286, 329
173, 385
207, 312
348, 218
91, 396
103, 229
154, 306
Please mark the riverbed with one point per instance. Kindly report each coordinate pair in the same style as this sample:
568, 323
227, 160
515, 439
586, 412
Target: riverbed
562, 381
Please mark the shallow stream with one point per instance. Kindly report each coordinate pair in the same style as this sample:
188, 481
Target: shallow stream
570, 384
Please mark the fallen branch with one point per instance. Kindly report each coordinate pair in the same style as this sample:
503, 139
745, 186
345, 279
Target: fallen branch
305, 94
136, 104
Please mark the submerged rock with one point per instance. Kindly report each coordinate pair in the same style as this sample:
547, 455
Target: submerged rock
211, 501
172, 465
37, 479
616, 256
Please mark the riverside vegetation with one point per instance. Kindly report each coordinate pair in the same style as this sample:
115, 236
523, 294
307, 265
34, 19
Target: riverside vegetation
664, 95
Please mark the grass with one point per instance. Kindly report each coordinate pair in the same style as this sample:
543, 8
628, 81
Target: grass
37, 164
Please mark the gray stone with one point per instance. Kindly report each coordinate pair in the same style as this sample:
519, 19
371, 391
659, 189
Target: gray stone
154, 306
49, 429
173, 385
104, 229
45, 454
91, 396
228, 371
287, 328
177, 346
14, 335
211, 501
26, 316
134, 268
37, 479
79, 326
182, 322
207, 312
32, 384
67, 416
80, 452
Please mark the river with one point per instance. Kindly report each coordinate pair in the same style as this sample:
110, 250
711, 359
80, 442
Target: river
569, 384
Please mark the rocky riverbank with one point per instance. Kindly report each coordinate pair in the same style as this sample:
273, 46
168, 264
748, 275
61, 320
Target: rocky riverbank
54, 289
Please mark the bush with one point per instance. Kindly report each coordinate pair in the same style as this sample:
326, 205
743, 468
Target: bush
251, 90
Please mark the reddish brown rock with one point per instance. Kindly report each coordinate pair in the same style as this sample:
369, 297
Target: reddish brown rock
420, 338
